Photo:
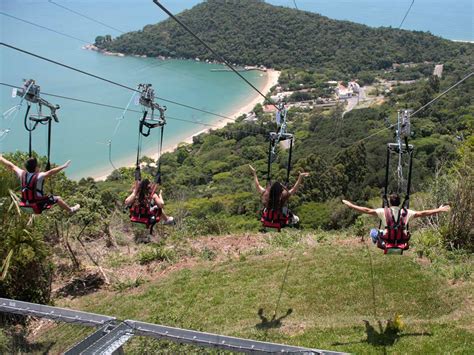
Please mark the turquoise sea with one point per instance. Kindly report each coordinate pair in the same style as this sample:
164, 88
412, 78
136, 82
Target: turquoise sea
84, 130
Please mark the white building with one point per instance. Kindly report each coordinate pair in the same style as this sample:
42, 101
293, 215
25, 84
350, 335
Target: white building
281, 95
343, 92
354, 86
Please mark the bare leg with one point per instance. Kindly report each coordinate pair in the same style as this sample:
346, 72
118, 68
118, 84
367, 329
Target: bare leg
161, 204
63, 204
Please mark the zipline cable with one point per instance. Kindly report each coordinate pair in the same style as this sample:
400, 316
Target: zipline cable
85, 16
147, 67
45, 28
406, 15
111, 106
110, 81
417, 111
13, 111
296, 6
215, 126
285, 278
442, 94
372, 278
117, 125
204, 124
219, 56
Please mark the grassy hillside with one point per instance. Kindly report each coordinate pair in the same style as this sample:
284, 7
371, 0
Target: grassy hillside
255, 33
328, 289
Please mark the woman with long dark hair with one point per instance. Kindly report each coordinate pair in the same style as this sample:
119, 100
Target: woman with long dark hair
142, 195
275, 196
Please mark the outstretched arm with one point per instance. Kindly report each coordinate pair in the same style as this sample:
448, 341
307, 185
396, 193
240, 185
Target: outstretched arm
259, 187
360, 209
131, 198
295, 187
56, 170
8, 164
427, 213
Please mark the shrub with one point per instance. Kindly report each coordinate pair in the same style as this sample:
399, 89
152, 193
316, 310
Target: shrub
314, 215
155, 253
460, 229
208, 254
128, 283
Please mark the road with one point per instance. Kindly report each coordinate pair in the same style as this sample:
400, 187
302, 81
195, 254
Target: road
354, 101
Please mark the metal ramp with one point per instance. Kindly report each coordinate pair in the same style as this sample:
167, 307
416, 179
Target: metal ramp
112, 334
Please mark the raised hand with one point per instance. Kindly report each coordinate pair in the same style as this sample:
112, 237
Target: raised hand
252, 169
444, 208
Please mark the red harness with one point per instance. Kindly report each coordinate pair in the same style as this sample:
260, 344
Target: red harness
30, 202
143, 213
274, 219
396, 234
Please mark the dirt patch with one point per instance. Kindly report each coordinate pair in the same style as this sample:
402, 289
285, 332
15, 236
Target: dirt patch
81, 285
222, 248
229, 246
293, 328
351, 242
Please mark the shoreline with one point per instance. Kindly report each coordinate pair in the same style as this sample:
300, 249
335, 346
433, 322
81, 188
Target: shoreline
271, 80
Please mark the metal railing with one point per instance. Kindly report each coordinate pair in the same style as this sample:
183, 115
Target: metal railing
112, 334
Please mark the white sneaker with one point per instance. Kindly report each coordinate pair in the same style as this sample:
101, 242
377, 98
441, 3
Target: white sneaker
75, 208
169, 221
295, 219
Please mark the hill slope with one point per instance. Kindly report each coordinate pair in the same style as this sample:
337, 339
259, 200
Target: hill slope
329, 304
255, 33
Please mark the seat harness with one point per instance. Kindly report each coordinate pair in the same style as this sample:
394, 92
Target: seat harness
30, 202
144, 213
397, 233
276, 218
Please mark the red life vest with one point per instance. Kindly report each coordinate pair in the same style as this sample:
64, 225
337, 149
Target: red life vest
30, 202
396, 230
274, 219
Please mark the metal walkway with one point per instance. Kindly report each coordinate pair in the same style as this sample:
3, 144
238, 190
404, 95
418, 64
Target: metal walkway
112, 334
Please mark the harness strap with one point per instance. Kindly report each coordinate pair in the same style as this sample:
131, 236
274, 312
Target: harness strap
289, 163
29, 188
145, 113
48, 164
396, 229
160, 149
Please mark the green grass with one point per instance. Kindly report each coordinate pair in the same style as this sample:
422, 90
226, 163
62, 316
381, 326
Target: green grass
329, 290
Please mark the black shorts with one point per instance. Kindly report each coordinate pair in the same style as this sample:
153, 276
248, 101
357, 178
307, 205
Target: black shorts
50, 200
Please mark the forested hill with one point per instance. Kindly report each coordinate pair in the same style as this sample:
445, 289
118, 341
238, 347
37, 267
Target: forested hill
253, 32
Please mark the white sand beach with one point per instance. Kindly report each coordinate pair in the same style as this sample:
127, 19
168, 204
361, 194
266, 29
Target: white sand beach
272, 80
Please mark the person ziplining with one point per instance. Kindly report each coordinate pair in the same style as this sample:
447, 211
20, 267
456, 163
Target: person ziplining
145, 205
33, 198
275, 196
393, 234
395, 218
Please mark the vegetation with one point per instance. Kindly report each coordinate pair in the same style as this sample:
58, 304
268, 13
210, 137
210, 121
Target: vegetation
326, 301
213, 271
251, 32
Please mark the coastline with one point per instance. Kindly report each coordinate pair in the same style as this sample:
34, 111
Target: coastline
271, 80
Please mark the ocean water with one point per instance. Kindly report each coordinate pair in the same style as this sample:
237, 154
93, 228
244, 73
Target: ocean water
451, 19
84, 130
